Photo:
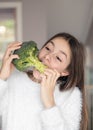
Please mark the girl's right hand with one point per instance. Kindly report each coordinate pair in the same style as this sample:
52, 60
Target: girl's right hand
7, 66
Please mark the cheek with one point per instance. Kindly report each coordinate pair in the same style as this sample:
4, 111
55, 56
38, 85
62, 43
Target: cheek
40, 55
57, 67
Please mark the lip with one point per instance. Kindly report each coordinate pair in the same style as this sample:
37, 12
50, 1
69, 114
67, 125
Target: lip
45, 62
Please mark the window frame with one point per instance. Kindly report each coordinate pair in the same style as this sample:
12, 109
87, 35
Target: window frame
18, 7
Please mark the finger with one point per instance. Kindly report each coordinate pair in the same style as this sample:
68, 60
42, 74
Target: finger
10, 50
50, 70
12, 57
50, 78
14, 44
57, 74
50, 73
43, 81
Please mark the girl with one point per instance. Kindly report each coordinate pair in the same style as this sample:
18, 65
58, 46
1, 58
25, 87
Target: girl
54, 100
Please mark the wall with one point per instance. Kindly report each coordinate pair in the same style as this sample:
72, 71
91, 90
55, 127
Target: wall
43, 18
34, 20
73, 16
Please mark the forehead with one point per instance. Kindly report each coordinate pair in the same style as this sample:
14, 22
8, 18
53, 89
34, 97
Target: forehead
61, 44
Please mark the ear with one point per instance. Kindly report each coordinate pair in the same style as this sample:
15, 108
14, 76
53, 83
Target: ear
65, 73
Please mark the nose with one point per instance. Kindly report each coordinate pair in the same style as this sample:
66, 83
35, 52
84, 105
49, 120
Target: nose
47, 58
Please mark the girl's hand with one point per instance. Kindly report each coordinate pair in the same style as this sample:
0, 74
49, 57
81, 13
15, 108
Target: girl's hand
48, 82
7, 67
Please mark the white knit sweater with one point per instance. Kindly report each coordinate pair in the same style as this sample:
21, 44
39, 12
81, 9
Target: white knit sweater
22, 109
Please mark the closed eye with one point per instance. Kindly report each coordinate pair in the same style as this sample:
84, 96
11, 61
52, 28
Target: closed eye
47, 48
58, 59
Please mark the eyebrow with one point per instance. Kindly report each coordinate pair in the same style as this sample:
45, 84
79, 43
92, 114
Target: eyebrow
63, 53
60, 50
52, 43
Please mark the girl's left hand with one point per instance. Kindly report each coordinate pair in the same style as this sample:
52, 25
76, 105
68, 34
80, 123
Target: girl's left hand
49, 78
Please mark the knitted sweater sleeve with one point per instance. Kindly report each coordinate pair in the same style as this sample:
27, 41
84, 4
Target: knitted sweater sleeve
67, 116
3, 90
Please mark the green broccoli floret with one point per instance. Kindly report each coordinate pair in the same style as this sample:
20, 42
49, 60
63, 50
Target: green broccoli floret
28, 57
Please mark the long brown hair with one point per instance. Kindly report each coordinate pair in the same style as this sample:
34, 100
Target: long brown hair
76, 72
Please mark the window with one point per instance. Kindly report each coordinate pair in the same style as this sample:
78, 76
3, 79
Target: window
10, 24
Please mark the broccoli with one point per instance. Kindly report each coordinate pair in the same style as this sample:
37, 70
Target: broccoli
28, 57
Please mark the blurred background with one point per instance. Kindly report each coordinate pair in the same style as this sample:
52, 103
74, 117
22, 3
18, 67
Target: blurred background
38, 20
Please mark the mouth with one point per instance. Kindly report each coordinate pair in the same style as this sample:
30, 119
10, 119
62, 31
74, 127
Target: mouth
44, 62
